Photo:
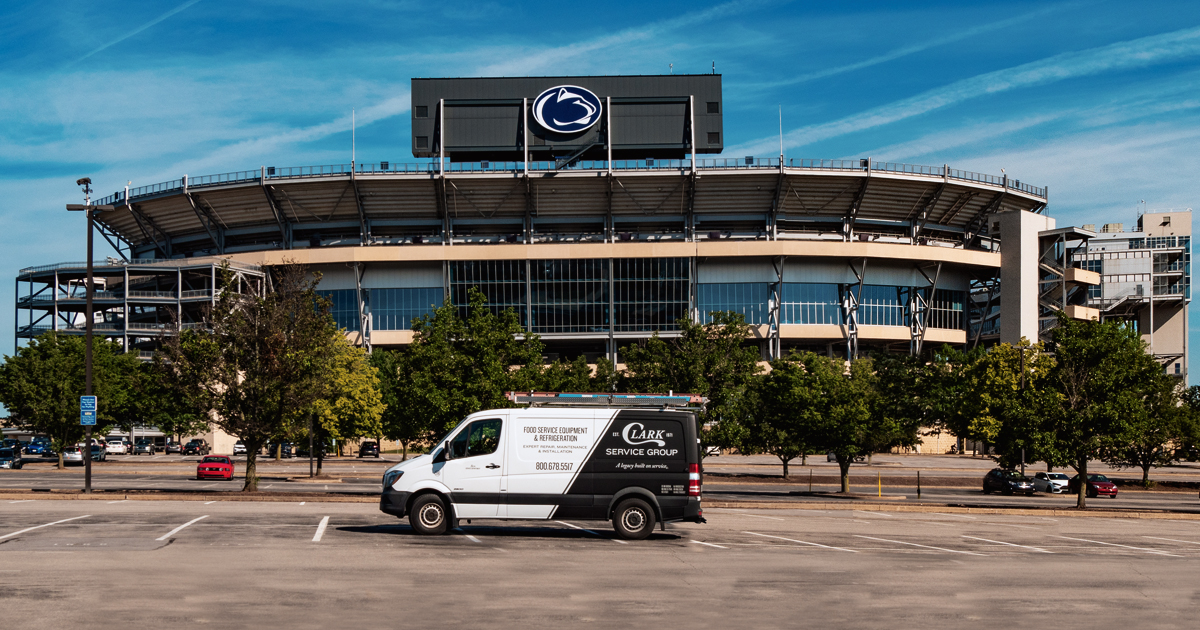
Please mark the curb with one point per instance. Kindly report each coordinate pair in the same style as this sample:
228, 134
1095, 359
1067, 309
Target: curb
954, 509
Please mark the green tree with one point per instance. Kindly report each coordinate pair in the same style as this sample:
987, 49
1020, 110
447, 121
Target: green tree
784, 419
710, 359
1006, 403
401, 419
1154, 431
41, 385
1101, 379
260, 359
850, 421
158, 403
948, 401
459, 365
349, 404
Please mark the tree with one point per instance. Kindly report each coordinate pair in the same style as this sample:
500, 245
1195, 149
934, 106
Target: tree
709, 359
1154, 431
401, 420
845, 403
41, 385
348, 404
948, 402
459, 365
1101, 379
158, 403
260, 359
1008, 389
784, 419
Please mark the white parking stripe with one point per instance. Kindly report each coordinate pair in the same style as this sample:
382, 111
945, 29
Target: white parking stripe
29, 529
901, 542
709, 544
801, 542
209, 502
876, 513
112, 502
472, 538
321, 529
178, 529
22, 501
1162, 553
1173, 540
1001, 542
589, 531
773, 518
955, 515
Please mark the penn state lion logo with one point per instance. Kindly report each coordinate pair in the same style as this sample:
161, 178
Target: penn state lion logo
566, 109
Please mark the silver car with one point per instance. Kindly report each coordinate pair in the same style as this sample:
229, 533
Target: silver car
1050, 482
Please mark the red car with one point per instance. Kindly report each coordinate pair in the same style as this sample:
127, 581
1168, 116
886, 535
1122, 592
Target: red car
1098, 485
215, 467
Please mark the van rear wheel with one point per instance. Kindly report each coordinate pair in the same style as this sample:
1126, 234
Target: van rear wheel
428, 515
633, 519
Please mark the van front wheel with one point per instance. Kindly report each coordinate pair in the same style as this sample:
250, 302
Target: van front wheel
428, 515
633, 519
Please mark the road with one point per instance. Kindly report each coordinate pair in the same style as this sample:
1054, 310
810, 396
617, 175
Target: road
305, 565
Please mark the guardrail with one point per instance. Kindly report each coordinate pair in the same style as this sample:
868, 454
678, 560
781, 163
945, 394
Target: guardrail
143, 262
431, 168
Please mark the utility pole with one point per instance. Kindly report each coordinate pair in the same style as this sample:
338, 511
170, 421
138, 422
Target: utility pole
89, 210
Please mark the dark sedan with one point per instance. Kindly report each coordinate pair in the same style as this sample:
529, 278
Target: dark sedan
1098, 485
1006, 481
10, 458
369, 449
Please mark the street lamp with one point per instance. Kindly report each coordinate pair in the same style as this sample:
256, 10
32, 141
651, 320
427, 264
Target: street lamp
89, 210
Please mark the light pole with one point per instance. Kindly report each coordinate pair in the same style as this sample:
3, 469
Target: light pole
89, 210
1023, 349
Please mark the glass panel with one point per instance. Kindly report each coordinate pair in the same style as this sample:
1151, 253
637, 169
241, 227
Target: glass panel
394, 309
748, 298
501, 281
650, 293
344, 309
570, 295
810, 303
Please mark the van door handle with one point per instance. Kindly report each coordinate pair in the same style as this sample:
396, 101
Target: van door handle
493, 466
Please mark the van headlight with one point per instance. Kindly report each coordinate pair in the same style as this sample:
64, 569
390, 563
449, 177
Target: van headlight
389, 478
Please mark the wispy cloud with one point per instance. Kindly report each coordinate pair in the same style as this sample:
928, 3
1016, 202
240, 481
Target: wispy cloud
137, 30
1126, 55
913, 49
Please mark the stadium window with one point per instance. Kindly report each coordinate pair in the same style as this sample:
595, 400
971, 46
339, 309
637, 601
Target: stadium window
422, 111
422, 142
714, 137
714, 107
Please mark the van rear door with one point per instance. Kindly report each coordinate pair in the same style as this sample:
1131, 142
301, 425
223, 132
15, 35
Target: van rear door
474, 468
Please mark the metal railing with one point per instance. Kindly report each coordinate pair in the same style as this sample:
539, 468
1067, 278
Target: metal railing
140, 262
432, 167
169, 295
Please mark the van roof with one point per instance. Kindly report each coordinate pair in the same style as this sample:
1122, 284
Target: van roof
564, 412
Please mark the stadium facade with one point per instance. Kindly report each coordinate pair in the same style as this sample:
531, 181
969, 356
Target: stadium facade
586, 205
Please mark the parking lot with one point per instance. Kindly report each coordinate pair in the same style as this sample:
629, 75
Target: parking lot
308, 564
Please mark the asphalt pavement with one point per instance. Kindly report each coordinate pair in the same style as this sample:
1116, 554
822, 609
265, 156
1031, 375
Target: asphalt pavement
121, 564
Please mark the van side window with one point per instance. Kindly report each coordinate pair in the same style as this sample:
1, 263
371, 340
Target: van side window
484, 437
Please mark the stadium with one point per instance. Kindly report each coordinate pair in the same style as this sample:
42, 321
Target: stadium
598, 232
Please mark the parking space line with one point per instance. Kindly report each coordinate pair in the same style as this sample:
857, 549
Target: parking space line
801, 542
901, 542
709, 544
876, 513
1173, 540
955, 515
209, 502
1161, 553
29, 529
120, 501
178, 529
773, 518
22, 501
302, 503
321, 529
589, 531
472, 538
1001, 542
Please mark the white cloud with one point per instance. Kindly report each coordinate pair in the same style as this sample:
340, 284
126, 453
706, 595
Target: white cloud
1126, 55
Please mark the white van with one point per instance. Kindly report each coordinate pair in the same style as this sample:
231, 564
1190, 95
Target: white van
635, 467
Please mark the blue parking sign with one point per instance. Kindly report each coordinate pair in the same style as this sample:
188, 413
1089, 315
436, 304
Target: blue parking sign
87, 410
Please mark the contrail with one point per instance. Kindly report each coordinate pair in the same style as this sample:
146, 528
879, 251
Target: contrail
916, 48
137, 30
1125, 55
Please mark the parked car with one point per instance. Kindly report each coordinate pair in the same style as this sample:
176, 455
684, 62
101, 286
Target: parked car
286, 452
368, 449
14, 444
215, 467
10, 458
72, 455
116, 447
143, 446
1097, 485
99, 453
239, 448
37, 448
1006, 481
1050, 482
198, 446
174, 447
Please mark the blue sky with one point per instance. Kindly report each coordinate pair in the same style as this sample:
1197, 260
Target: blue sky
1100, 101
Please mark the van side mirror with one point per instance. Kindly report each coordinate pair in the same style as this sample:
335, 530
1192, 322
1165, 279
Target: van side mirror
443, 454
